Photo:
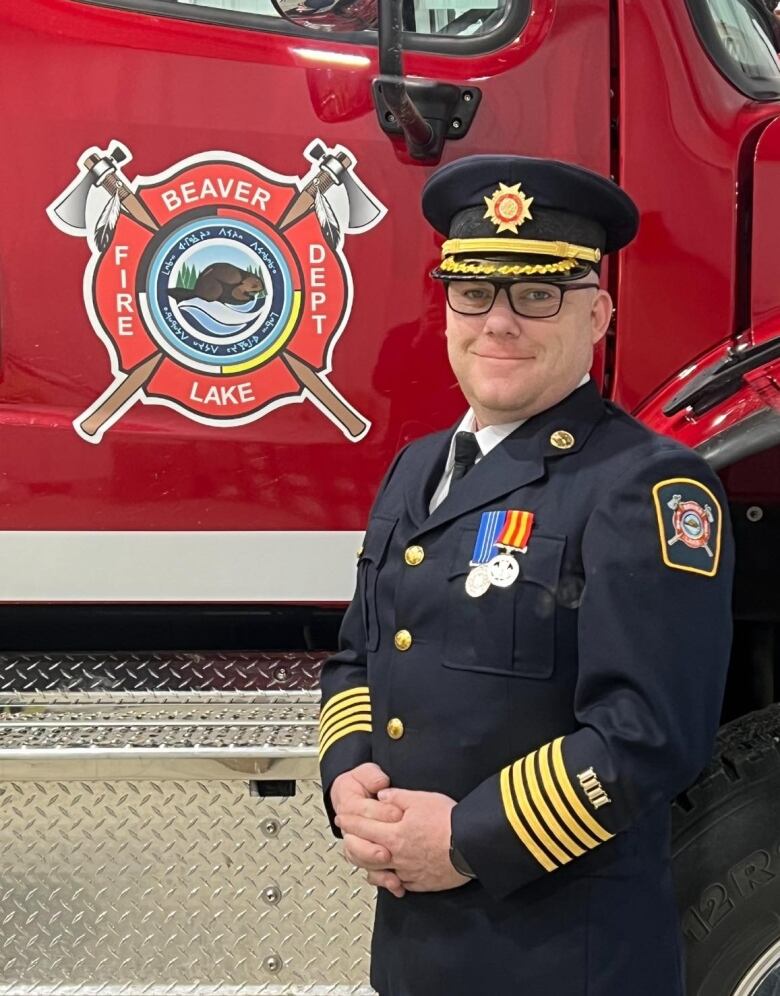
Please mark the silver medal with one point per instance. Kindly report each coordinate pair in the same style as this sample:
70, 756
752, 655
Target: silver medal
478, 581
504, 570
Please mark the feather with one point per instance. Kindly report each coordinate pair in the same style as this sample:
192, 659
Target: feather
104, 230
329, 223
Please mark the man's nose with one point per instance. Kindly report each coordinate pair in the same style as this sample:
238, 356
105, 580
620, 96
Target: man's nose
501, 320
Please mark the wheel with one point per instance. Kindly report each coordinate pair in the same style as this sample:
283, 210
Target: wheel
726, 854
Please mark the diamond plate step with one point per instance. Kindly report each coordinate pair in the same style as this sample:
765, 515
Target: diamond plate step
136, 858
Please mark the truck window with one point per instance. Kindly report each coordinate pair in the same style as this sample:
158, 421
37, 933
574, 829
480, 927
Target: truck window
743, 37
440, 18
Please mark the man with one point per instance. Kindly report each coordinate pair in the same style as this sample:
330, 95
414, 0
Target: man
534, 660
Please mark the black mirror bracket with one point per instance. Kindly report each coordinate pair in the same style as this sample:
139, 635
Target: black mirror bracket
425, 112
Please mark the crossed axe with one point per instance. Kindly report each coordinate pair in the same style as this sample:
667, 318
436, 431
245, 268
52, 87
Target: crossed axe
333, 169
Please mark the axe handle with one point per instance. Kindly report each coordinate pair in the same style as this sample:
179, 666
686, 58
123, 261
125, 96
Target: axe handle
306, 375
317, 386
123, 391
131, 203
300, 205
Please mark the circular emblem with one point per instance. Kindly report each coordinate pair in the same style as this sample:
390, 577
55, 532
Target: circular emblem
508, 208
220, 294
562, 440
504, 570
691, 524
478, 582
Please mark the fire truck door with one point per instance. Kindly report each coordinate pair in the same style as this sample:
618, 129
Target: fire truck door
139, 95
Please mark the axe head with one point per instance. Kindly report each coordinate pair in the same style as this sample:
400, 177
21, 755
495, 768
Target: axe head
363, 209
72, 209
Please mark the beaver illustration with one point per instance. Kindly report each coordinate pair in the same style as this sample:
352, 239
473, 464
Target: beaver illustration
222, 282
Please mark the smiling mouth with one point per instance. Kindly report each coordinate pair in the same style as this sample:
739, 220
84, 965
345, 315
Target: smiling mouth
487, 356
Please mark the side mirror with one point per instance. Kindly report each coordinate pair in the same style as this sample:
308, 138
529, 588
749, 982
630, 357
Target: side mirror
330, 15
425, 112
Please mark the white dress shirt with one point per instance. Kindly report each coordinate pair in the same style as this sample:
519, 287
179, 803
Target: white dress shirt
488, 437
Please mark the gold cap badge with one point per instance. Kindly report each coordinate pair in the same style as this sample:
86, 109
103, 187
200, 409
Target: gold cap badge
508, 208
562, 440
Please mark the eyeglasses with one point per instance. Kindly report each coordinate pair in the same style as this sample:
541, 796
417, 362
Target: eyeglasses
528, 299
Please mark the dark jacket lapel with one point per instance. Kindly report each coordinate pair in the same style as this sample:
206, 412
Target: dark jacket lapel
518, 461
422, 472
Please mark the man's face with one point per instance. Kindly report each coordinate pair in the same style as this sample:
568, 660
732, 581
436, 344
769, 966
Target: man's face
510, 367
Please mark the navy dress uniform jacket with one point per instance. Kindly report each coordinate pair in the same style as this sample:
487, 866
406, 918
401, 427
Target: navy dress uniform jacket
562, 713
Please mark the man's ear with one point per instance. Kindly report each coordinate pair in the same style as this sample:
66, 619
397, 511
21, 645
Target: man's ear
600, 315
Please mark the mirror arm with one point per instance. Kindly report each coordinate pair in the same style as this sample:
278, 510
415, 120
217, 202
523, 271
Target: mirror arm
425, 112
421, 140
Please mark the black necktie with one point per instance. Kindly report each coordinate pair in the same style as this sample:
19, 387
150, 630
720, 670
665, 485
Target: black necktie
466, 452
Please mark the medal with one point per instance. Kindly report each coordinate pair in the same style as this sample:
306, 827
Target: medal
478, 581
507, 531
504, 569
490, 525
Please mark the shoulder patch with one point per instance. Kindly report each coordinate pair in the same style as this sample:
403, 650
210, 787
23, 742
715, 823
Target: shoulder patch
689, 525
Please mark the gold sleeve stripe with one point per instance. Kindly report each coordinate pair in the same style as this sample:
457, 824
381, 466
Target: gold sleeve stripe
544, 810
571, 795
514, 821
557, 802
360, 703
354, 728
363, 716
360, 716
346, 694
520, 772
334, 710
335, 699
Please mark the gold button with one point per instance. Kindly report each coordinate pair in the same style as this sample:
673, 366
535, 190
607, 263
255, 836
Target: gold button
403, 639
395, 729
414, 555
562, 440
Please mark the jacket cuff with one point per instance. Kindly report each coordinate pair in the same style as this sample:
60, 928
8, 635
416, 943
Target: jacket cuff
526, 821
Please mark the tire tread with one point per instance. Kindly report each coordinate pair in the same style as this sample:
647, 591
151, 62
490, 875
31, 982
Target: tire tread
747, 748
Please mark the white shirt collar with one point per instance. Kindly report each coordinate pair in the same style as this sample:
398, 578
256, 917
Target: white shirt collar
489, 436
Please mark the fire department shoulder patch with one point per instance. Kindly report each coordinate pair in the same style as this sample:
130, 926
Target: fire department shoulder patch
689, 525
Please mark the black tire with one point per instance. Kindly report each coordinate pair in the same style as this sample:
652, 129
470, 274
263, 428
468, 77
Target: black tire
726, 851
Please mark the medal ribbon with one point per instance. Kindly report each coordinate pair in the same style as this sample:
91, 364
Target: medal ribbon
517, 529
490, 525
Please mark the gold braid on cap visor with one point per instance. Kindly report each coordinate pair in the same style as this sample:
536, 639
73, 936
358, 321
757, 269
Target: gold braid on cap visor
534, 247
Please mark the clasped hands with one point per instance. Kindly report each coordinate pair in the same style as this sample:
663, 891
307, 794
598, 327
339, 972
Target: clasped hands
399, 837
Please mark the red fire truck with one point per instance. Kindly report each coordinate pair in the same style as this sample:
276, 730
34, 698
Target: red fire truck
215, 332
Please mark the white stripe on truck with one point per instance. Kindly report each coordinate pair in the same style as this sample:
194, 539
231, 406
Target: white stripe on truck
67, 566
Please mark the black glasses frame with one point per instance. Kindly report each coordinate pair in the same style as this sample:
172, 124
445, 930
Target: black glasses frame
498, 285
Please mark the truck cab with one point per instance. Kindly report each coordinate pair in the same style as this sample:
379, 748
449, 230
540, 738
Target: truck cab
215, 333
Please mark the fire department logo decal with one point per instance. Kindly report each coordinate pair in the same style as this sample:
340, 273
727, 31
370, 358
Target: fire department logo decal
219, 287
689, 524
